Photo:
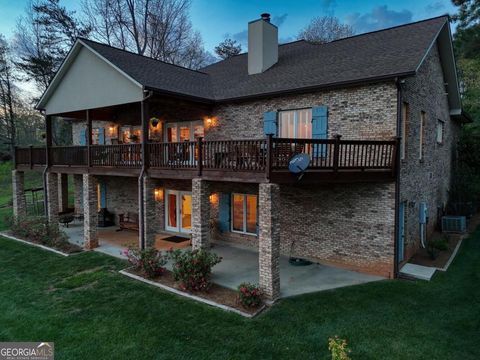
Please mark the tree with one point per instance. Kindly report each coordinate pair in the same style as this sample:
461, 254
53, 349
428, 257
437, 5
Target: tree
468, 13
325, 29
160, 29
228, 48
43, 38
7, 89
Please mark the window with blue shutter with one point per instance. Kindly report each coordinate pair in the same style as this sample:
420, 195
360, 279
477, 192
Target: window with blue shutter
83, 137
101, 136
320, 129
103, 195
224, 212
270, 123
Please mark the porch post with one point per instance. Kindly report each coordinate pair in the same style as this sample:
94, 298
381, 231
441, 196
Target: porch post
52, 195
19, 202
89, 137
200, 214
90, 209
269, 239
48, 160
77, 193
62, 192
149, 211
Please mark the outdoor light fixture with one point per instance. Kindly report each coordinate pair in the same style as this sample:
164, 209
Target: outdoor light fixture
159, 194
213, 198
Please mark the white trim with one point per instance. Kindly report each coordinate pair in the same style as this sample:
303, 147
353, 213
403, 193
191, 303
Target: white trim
66, 64
190, 296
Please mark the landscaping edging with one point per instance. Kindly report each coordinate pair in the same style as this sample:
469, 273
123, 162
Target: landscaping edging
11, 237
190, 296
454, 253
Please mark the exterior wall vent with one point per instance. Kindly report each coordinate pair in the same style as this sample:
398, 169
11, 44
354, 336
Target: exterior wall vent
454, 224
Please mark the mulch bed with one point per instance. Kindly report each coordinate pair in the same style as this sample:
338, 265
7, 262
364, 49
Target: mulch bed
423, 258
66, 247
216, 293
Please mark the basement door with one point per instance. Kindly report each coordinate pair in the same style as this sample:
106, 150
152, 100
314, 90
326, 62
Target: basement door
178, 211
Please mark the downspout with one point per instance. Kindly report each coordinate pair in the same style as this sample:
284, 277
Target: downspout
398, 83
44, 173
142, 173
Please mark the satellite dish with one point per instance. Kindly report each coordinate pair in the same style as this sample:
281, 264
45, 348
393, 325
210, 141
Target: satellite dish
298, 164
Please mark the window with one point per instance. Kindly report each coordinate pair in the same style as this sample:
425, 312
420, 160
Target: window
404, 130
423, 119
295, 124
95, 136
440, 131
244, 213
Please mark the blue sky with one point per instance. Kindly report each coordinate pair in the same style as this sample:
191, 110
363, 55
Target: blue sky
217, 18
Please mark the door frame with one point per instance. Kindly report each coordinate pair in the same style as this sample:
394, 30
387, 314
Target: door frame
178, 208
178, 124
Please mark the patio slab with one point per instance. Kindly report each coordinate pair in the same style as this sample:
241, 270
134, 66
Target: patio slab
418, 271
239, 264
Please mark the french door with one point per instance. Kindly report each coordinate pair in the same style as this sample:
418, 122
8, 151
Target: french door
178, 211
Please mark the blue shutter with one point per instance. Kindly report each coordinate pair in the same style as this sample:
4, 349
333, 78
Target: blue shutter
270, 123
224, 212
423, 213
103, 195
83, 137
319, 129
101, 136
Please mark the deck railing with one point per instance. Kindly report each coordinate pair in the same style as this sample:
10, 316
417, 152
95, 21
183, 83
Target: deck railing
69, 155
259, 155
124, 155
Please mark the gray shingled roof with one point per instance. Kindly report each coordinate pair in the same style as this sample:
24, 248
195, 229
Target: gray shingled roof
378, 55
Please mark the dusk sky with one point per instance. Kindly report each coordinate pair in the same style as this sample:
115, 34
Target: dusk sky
217, 18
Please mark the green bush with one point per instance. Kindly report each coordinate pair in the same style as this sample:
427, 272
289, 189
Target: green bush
249, 295
36, 229
440, 244
193, 268
149, 261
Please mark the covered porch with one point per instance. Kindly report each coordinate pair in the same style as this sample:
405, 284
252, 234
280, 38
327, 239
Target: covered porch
239, 264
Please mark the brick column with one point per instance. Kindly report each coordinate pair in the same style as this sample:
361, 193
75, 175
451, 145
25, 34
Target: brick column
19, 202
149, 211
78, 194
269, 239
62, 192
200, 214
52, 197
90, 211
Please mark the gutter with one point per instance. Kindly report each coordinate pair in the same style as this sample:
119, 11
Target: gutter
398, 83
142, 173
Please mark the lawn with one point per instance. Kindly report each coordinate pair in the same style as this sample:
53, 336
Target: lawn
92, 312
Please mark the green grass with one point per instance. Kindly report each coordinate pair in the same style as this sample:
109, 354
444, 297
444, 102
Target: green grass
92, 312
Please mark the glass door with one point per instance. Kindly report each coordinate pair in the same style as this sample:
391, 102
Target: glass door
178, 211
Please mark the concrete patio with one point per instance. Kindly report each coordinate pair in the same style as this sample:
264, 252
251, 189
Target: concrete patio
238, 264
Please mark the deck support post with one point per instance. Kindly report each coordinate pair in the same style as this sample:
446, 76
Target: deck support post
52, 195
19, 202
90, 207
269, 239
200, 214
78, 194
149, 211
62, 192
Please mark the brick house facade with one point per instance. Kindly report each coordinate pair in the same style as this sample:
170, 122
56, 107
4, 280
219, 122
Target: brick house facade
344, 212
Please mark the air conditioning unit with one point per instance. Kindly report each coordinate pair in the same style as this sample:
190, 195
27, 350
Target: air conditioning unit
454, 224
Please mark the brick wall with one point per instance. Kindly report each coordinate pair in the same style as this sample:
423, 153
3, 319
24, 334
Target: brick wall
362, 112
428, 179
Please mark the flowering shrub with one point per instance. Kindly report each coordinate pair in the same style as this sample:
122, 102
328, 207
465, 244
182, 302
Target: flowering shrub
36, 229
338, 348
149, 261
249, 295
193, 268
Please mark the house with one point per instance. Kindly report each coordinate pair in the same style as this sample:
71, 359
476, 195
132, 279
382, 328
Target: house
206, 153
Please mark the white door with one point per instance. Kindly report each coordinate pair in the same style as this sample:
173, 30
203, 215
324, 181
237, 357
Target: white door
178, 211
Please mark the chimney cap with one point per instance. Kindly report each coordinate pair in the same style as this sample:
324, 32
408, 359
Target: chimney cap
265, 17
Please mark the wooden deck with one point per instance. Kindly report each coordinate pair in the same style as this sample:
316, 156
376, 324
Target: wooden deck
255, 160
